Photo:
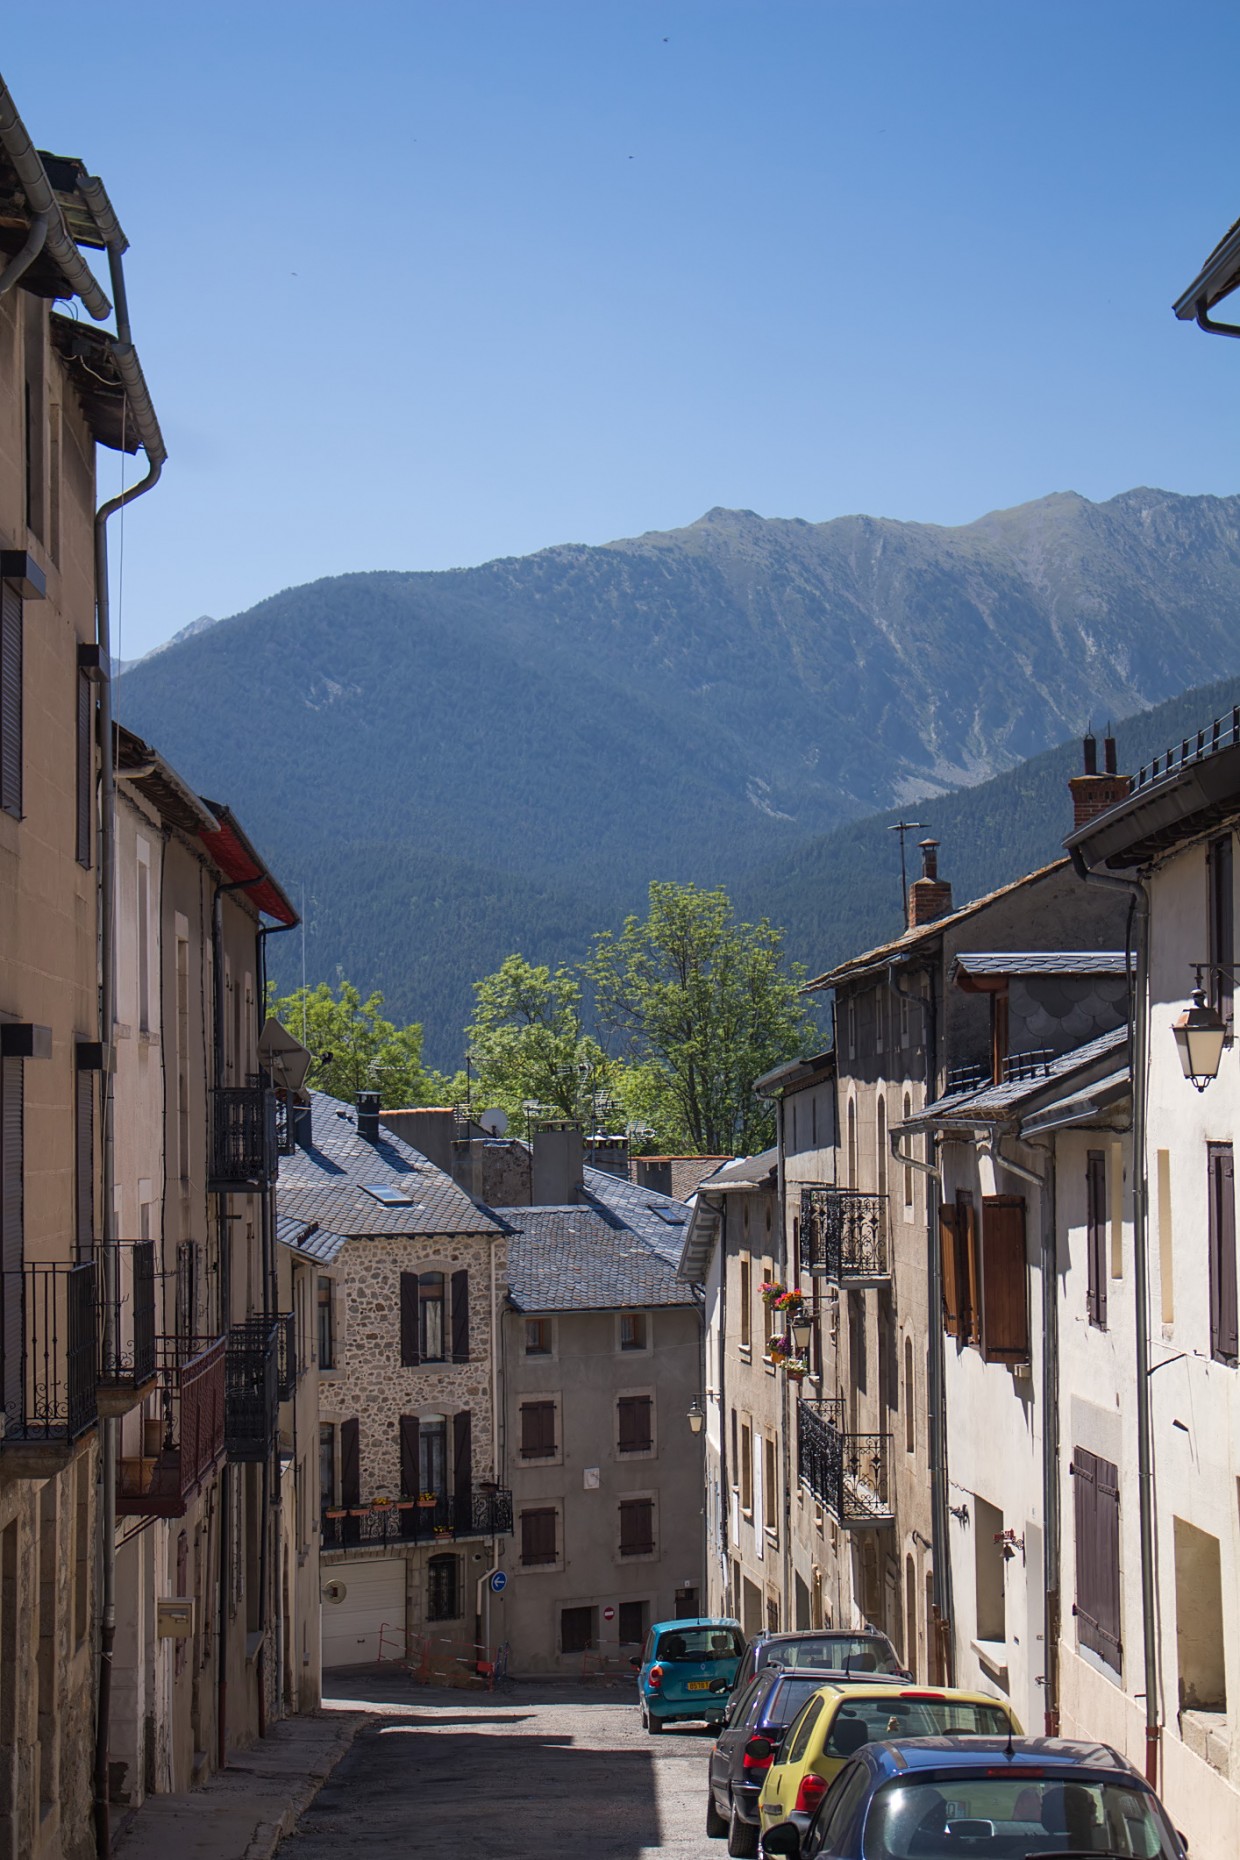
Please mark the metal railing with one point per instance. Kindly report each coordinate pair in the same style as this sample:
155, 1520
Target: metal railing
252, 1388
244, 1153
966, 1078
49, 1346
1223, 733
129, 1358
189, 1429
1035, 1064
286, 1134
481, 1514
849, 1473
844, 1235
287, 1366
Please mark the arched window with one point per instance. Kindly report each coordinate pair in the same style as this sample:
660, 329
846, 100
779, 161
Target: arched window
852, 1143
908, 1173
910, 1431
443, 1588
882, 1145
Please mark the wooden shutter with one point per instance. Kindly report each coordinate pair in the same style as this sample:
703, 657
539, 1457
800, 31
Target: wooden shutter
85, 765
460, 1317
410, 1355
84, 1160
1222, 1185
12, 1237
634, 1418
409, 1473
968, 1267
462, 1469
10, 700
949, 1257
1220, 865
538, 1543
1005, 1280
537, 1429
1096, 1515
350, 1463
636, 1526
1096, 1237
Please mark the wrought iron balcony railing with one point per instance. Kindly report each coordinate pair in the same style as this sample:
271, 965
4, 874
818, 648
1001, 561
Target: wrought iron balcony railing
49, 1346
844, 1236
127, 1359
481, 1514
287, 1367
849, 1473
244, 1149
252, 1388
185, 1441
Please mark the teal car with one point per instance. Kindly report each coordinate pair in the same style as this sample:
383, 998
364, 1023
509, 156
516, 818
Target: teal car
686, 1670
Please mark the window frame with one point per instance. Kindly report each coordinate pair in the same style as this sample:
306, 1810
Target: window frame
441, 1561
325, 1305
544, 1323
641, 1320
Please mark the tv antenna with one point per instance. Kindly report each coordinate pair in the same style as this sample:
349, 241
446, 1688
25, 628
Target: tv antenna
902, 827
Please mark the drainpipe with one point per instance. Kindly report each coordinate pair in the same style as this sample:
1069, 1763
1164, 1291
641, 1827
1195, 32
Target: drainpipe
21, 262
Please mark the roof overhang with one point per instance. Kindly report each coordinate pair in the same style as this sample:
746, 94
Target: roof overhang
241, 866
1090, 1104
1161, 814
144, 769
1217, 279
795, 1074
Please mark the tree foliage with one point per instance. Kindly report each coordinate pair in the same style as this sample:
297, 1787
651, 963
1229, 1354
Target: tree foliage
527, 1043
356, 1049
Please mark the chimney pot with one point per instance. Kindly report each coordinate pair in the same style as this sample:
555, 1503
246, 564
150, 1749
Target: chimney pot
928, 896
368, 1115
1090, 746
1108, 751
929, 858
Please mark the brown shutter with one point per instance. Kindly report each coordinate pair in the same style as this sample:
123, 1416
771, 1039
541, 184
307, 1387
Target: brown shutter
1096, 1515
968, 1267
12, 1237
949, 1257
460, 1317
636, 1526
537, 1429
84, 1160
409, 1474
10, 700
1005, 1280
85, 765
1096, 1237
538, 1543
350, 1464
1222, 1187
634, 1418
462, 1470
410, 1355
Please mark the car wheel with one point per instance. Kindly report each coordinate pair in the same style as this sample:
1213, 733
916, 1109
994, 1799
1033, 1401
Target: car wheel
716, 1824
653, 1725
742, 1837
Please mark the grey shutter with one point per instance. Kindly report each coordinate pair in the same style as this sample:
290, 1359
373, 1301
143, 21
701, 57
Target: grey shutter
350, 1463
12, 1241
10, 700
462, 1470
1096, 1237
85, 765
409, 1474
460, 1317
410, 1354
1096, 1513
1223, 1315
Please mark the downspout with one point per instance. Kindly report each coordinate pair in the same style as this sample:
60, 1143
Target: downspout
21, 262
495, 1327
791, 1269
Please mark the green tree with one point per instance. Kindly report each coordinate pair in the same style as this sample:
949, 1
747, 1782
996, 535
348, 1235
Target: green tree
527, 1043
356, 1049
706, 1006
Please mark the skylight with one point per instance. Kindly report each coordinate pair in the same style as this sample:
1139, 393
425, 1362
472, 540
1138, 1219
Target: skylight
675, 1217
388, 1197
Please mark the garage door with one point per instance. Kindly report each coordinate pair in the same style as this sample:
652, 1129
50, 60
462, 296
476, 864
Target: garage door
359, 1600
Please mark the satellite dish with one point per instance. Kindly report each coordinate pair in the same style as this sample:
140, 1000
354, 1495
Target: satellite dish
285, 1058
495, 1123
334, 1591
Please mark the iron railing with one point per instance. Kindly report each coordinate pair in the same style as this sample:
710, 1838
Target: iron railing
287, 1368
1036, 1064
966, 1078
128, 1358
189, 1431
481, 1514
286, 1133
49, 1344
252, 1388
244, 1152
849, 1473
1223, 733
844, 1235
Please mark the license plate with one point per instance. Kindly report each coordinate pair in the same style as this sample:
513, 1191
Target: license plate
698, 1685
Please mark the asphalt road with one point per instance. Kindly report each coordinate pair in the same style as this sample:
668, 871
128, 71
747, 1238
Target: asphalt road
536, 1769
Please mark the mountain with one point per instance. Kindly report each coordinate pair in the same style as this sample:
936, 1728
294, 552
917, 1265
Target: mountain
491, 752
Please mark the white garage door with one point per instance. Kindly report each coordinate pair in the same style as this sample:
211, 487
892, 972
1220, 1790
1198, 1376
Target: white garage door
371, 1596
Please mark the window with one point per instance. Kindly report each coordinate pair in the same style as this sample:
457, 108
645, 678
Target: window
880, 1018
631, 1623
772, 1320
746, 1303
1096, 1237
770, 1486
904, 1020
424, 1309
746, 1467
636, 1526
852, 1143
538, 1336
813, 1120
986, 1282
537, 1430
85, 795
578, 1629
988, 1562
182, 1048
1222, 930
852, 1026
539, 1534
326, 1307
1096, 1508
633, 1330
144, 937
909, 1420
433, 1454
635, 1418
736, 1453
1222, 1191
10, 700
881, 1137
908, 1167
84, 1148
443, 1588
1200, 1642
327, 1463
803, 1730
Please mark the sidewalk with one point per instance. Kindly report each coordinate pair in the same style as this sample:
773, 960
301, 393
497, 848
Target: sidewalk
244, 1812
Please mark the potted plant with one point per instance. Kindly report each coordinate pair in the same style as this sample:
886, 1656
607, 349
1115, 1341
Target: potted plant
789, 1301
795, 1372
427, 1501
771, 1291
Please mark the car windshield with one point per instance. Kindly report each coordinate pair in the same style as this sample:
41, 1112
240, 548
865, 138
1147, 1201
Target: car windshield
864, 1721
1010, 1816
700, 1643
787, 1697
854, 1653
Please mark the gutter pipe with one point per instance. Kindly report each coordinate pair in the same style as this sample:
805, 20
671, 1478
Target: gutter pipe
1206, 321
21, 262
42, 200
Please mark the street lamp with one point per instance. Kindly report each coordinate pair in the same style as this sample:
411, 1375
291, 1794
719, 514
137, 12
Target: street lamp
800, 1330
696, 1416
1200, 1035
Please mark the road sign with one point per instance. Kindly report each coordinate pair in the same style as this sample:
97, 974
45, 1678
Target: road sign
499, 1581
609, 1614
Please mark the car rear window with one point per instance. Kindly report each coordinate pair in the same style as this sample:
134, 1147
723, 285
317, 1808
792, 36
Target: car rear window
713, 1643
863, 1721
993, 1817
860, 1653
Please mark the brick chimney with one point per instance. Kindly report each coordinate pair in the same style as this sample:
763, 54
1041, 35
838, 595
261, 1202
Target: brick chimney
928, 896
1091, 792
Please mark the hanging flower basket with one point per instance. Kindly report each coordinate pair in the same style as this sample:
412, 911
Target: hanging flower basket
443, 1530
795, 1372
789, 1302
771, 1290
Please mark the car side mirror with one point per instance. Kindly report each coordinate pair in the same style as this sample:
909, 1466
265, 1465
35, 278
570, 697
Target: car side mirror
721, 1685
635, 1663
783, 1838
760, 1749
1183, 1840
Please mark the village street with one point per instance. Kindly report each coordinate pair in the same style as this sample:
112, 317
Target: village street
533, 1770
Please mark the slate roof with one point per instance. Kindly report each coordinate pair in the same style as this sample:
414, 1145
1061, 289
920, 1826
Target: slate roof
1042, 962
308, 1238
745, 1172
327, 1183
590, 1258
989, 1101
660, 1220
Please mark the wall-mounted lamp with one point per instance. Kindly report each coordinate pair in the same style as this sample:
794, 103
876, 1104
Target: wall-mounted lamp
800, 1330
1200, 1035
696, 1416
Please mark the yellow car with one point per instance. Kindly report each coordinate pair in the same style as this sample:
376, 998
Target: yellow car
836, 1721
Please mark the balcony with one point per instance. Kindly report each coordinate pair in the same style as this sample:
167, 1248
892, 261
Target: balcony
849, 1473
184, 1443
244, 1149
49, 1344
127, 1360
482, 1514
844, 1236
252, 1389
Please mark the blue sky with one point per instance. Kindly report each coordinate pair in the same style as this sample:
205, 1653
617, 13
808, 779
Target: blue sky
418, 285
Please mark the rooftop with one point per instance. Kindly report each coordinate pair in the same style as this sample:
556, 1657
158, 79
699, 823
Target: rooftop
1193, 786
1042, 962
989, 1102
588, 1259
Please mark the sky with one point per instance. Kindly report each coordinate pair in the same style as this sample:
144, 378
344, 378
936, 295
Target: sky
417, 285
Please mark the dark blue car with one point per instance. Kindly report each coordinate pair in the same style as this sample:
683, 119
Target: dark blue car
753, 1728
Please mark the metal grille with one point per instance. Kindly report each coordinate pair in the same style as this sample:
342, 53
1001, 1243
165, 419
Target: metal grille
482, 1514
243, 1137
50, 1391
252, 1389
129, 1359
844, 1235
286, 1355
849, 1473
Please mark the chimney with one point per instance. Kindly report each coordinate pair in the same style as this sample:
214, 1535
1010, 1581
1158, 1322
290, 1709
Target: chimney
302, 1120
368, 1115
557, 1168
1092, 793
928, 896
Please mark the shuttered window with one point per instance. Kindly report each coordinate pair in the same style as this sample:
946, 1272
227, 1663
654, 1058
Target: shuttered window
462, 1469
1222, 1189
1220, 865
968, 1266
12, 1238
410, 1476
410, 1356
350, 1463
949, 1271
460, 1317
636, 1526
538, 1536
1004, 1331
85, 766
634, 1413
1096, 1511
1096, 1237
84, 1158
10, 700
537, 1429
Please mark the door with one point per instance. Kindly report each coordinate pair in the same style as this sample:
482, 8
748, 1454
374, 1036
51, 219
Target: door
363, 1611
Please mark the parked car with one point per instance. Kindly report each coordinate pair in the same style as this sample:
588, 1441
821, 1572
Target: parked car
861, 1650
754, 1725
836, 1722
1028, 1798
686, 1669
